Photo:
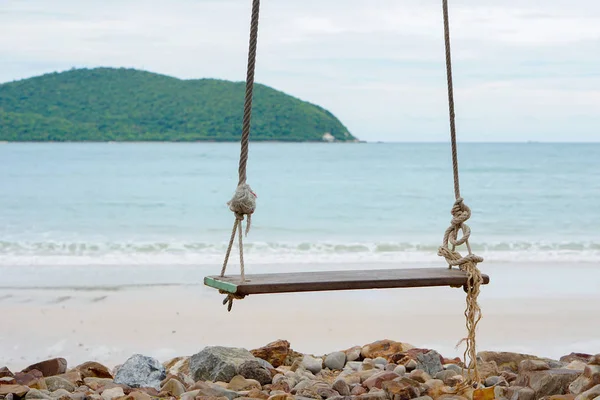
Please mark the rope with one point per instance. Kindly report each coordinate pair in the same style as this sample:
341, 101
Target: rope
243, 202
460, 214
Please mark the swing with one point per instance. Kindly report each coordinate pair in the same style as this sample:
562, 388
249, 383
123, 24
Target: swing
243, 204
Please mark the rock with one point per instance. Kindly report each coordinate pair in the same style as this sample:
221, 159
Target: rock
33, 379
587, 380
54, 366
399, 390
576, 357
60, 394
137, 395
281, 396
253, 369
548, 382
590, 394
505, 360
384, 348
533, 365
72, 376
358, 390
419, 375
140, 371
341, 387
218, 363
594, 360
380, 361
257, 394
446, 375
484, 394
453, 367
238, 383
97, 383
430, 362
4, 371
93, 369
212, 389
353, 353
312, 364
410, 365
520, 393
113, 393
400, 370
56, 382
433, 387
276, 353
36, 394
173, 387
377, 380
487, 368
8, 380
576, 365
16, 390
336, 360
495, 380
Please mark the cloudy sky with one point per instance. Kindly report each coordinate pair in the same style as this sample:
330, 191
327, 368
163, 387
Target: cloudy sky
523, 69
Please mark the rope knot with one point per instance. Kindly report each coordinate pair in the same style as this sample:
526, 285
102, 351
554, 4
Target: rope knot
243, 203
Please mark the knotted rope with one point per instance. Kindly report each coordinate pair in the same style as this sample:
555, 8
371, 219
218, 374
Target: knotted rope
243, 202
460, 214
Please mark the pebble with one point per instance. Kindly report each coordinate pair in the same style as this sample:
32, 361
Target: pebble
312, 364
335, 361
400, 370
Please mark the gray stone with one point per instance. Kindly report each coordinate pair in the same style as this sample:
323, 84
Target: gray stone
353, 354
60, 393
430, 362
495, 380
140, 371
410, 365
453, 367
56, 382
380, 361
253, 369
314, 365
36, 394
400, 370
335, 361
445, 376
218, 363
113, 393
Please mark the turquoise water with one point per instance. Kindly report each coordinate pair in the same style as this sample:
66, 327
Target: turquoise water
165, 204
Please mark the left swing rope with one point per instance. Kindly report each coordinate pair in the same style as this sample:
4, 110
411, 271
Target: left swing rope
243, 202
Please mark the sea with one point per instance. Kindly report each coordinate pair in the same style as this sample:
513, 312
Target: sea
81, 214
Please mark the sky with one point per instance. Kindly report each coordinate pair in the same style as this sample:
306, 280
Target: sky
523, 70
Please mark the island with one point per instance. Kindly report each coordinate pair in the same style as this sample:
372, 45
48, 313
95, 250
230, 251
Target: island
124, 104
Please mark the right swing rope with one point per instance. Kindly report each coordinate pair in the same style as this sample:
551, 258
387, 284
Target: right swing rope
460, 214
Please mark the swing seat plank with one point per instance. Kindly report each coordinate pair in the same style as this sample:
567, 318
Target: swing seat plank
314, 281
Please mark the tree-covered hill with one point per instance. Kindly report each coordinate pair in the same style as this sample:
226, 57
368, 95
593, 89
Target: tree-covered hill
108, 104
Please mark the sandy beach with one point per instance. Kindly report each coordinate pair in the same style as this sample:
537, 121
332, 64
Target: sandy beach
521, 313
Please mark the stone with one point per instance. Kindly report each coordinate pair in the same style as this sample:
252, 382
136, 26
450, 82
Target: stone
4, 371
433, 387
56, 382
137, 395
399, 390
576, 357
430, 362
341, 387
384, 348
8, 380
377, 380
594, 360
548, 382
419, 375
400, 370
16, 390
113, 393
358, 390
97, 383
505, 360
455, 380
238, 383
521, 393
253, 369
218, 363
487, 368
453, 367
312, 364
30, 379
445, 376
587, 380
54, 366
276, 353
335, 361
576, 365
590, 394
353, 353
212, 389
484, 394
257, 394
140, 372
380, 361
36, 394
495, 380
92, 369
281, 396
411, 365
533, 365
173, 387
60, 394
72, 376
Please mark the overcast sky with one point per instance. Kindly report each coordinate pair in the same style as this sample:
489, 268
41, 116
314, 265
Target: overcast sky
523, 69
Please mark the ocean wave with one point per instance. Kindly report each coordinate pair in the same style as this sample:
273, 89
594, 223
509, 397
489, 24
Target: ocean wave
66, 253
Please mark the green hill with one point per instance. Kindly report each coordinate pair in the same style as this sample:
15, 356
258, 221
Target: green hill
107, 104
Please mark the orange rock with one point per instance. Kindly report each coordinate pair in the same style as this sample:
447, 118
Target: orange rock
377, 380
399, 390
257, 394
16, 390
484, 394
384, 348
93, 369
7, 380
275, 353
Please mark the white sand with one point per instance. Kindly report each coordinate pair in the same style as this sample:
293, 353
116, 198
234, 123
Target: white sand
523, 312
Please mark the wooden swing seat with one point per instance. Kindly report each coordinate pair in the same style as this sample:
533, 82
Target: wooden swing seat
314, 281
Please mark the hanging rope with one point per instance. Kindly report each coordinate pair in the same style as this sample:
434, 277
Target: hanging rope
243, 202
460, 214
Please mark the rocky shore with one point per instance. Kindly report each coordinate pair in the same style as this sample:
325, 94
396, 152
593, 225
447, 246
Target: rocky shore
377, 371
